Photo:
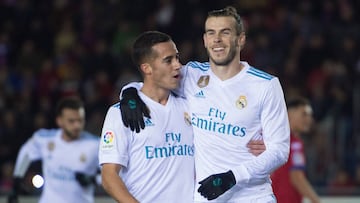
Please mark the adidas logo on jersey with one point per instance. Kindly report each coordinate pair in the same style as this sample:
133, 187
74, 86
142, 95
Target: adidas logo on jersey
148, 122
200, 94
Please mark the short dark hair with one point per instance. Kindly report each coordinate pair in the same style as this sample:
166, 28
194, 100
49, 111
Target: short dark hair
229, 11
68, 103
142, 47
297, 102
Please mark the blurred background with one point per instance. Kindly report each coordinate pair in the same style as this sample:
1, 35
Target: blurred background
51, 49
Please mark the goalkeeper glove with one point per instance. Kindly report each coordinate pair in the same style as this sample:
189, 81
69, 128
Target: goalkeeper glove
133, 109
215, 185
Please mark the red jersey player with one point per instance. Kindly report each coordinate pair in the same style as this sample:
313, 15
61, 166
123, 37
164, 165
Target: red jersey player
289, 181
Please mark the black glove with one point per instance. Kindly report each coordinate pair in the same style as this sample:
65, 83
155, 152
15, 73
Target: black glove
133, 109
84, 179
215, 185
13, 196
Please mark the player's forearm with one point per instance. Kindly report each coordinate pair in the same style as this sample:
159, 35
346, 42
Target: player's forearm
22, 163
276, 136
116, 188
263, 165
303, 186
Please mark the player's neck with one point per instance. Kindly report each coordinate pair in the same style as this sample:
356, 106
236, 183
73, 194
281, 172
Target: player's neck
67, 138
159, 95
227, 71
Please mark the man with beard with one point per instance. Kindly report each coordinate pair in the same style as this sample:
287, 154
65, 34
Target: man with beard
69, 157
230, 104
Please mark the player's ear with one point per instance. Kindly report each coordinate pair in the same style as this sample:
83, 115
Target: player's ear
242, 40
205, 40
59, 121
146, 68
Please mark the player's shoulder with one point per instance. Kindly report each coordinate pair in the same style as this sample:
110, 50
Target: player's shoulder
198, 66
87, 136
88, 141
43, 133
258, 74
114, 107
178, 99
114, 110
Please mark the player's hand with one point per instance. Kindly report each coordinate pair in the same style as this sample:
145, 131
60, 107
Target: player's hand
256, 147
215, 185
13, 196
84, 179
133, 109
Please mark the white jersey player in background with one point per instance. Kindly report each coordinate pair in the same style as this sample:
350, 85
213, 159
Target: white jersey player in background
232, 103
157, 164
69, 157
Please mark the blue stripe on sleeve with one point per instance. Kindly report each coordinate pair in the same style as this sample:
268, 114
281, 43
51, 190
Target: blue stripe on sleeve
260, 73
202, 66
117, 105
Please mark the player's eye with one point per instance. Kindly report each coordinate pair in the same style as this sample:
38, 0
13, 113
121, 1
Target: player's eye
210, 33
168, 61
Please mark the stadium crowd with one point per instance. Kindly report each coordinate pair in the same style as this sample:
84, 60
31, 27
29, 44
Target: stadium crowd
50, 49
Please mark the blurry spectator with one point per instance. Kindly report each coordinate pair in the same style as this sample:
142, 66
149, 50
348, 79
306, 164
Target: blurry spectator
65, 38
47, 79
29, 57
8, 136
4, 48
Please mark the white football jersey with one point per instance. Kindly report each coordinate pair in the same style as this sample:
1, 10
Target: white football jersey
225, 116
158, 162
60, 161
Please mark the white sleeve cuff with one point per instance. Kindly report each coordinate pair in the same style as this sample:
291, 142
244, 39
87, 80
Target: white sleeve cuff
241, 174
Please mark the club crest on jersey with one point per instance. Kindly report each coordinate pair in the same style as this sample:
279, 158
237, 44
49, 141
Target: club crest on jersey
51, 146
203, 81
241, 102
82, 158
187, 118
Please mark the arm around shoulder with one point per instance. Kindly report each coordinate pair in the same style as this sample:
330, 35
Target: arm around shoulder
275, 133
